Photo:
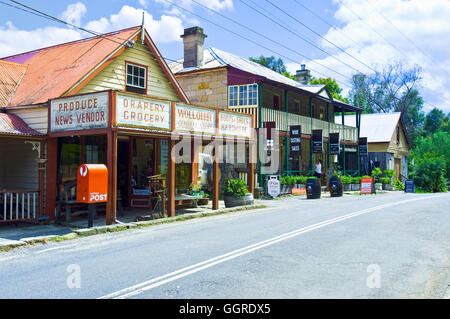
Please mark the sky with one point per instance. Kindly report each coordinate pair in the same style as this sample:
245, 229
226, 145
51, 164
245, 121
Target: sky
334, 38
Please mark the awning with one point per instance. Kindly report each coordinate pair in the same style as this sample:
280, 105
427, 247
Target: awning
12, 125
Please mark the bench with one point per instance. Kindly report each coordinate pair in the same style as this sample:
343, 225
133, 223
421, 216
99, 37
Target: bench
184, 199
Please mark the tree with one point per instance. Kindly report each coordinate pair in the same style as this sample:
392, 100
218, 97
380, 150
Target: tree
434, 121
271, 62
332, 87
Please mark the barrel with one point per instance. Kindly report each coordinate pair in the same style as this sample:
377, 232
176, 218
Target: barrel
335, 187
313, 188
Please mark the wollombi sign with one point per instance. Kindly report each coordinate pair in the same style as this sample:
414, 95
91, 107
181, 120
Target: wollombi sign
195, 119
92, 183
89, 111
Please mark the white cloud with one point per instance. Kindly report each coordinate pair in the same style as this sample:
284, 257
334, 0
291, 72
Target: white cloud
425, 29
74, 13
143, 3
212, 4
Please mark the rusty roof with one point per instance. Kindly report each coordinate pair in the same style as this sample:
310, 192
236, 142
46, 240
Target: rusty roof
12, 125
10, 76
54, 70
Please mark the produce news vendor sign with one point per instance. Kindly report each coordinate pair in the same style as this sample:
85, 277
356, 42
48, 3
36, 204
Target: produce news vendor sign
142, 112
195, 119
89, 111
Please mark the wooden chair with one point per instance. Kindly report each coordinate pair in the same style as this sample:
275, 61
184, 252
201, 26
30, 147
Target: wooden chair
68, 198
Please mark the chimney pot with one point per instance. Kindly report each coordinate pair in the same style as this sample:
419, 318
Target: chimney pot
193, 39
303, 76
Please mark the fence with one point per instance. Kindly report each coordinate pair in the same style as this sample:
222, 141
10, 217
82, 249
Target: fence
19, 205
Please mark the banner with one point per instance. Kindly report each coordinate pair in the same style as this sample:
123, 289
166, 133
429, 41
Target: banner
317, 141
363, 148
295, 132
335, 147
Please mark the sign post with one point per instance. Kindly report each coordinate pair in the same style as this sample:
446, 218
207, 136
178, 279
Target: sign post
92, 187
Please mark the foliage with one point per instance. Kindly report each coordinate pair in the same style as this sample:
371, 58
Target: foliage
236, 188
385, 180
271, 62
430, 175
434, 120
292, 180
332, 87
346, 179
398, 185
376, 173
389, 173
356, 180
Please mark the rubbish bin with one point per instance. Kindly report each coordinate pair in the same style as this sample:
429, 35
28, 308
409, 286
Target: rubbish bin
313, 188
335, 187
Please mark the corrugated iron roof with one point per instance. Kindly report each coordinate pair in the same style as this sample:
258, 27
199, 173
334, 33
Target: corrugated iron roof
214, 58
12, 125
10, 76
53, 70
377, 127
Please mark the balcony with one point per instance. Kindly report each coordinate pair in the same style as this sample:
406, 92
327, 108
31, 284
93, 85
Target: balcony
284, 120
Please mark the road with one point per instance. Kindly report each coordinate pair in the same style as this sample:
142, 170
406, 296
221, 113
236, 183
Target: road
375, 246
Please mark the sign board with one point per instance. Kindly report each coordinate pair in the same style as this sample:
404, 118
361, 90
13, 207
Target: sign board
301, 190
82, 112
195, 119
366, 185
317, 141
273, 186
142, 112
363, 148
409, 186
238, 125
295, 133
335, 148
92, 183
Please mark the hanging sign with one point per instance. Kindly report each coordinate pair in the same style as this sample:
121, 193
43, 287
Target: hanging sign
195, 119
366, 185
363, 149
295, 133
82, 112
317, 141
142, 112
335, 148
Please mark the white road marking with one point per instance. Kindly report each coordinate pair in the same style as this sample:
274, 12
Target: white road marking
54, 248
183, 272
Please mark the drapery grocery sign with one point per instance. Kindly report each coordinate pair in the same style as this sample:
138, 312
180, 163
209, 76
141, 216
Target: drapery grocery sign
81, 112
141, 112
195, 119
235, 125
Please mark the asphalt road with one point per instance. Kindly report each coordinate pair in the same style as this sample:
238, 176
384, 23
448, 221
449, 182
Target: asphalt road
377, 246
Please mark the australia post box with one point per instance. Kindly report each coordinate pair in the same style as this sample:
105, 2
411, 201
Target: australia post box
92, 183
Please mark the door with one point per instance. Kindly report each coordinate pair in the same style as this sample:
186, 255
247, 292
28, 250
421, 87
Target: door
398, 167
123, 176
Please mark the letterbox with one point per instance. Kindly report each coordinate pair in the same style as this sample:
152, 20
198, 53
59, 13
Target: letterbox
92, 183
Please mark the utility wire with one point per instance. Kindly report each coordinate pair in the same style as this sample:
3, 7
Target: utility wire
319, 35
266, 37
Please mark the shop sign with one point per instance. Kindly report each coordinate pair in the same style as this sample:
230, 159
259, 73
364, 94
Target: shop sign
195, 119
409, 186
335, 148
238, 125
363, 149
295, 133
317, 141
366, 185
82, 112
273, 186
142, 112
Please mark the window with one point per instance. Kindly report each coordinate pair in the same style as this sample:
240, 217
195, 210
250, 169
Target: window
242, 95
136, 78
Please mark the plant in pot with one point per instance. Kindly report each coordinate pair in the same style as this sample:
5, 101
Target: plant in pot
376, 178
390, 173
356, 183
398, 185
236, 193
347, 182
387, 184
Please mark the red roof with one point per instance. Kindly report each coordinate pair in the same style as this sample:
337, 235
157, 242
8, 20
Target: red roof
10, 76
53, 70
13, 125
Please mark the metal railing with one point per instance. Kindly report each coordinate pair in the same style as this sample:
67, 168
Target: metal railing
18, 205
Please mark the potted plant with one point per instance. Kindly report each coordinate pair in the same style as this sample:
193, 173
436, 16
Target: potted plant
390, 173
376, 178
356, 183
347, 182
398, 185
387, 183
236, 193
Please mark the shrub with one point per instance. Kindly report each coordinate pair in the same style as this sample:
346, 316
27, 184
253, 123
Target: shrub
376, 173
346, 179
236, 188
356, 180
385, 180
398, 185
389, 173
430, 175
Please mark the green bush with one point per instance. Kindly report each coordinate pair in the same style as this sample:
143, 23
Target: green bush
346, 179
389, 173
356, 180
430, 175
376, 173
385, 180
398, 185
236, 188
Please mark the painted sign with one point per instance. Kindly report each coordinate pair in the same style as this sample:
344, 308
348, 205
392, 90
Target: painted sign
238, 125
362, 144
142, 112
335, 148
301, 190
295, 132
82, 112
317, 141
409, 186
366, 185
273, 186
92, 183
195, 119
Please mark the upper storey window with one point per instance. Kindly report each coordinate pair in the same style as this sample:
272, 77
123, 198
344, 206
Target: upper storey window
136, 78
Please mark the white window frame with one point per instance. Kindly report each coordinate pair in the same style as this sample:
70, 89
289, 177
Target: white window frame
241, 100
133, 75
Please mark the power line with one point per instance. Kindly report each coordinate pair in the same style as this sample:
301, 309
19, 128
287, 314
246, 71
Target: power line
319, 35
267, 38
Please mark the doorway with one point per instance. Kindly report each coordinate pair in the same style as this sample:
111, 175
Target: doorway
123, 171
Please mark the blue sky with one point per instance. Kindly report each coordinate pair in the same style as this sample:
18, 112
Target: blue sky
361, 35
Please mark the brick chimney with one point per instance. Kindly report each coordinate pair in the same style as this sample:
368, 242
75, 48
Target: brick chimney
193, 39
303, 76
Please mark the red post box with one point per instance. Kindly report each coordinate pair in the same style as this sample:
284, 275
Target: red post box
92, 183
